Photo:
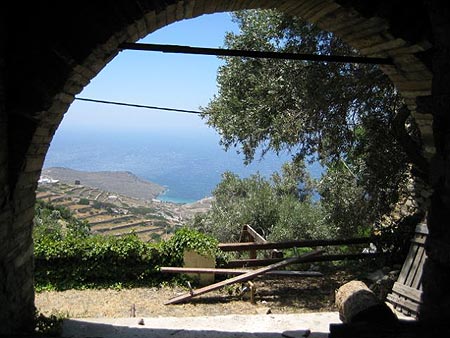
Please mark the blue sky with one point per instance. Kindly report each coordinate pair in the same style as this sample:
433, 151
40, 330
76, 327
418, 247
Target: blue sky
157, 79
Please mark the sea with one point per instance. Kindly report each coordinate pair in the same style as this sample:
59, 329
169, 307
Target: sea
188, 164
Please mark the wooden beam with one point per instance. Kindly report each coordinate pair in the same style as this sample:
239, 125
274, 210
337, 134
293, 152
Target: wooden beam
253, 54
240, 271
242, 278
246, 246
248, 234
257, 238
323, 258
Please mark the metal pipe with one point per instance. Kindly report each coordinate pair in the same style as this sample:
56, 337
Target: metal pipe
253, 54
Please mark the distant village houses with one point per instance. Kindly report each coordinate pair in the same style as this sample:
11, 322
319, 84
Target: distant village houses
47, 180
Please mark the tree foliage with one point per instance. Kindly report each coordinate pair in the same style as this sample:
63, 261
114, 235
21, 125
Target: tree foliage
57, 222
278, 208
338, 113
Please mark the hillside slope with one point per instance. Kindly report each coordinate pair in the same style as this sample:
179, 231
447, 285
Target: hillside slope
121, 182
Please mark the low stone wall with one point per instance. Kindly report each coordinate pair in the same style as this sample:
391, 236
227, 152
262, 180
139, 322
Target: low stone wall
398, 226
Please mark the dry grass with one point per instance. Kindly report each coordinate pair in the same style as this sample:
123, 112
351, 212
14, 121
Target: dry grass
285, 295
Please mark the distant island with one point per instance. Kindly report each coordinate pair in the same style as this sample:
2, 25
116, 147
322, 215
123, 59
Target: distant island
121, 182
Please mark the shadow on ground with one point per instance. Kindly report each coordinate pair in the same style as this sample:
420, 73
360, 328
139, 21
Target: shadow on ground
112, 331
201, 327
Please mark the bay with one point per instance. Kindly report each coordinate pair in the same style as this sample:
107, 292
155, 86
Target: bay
189, 164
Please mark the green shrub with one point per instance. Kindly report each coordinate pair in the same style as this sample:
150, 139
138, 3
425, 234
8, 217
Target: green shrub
186, 238
74, 259
83, 201
140, 210
102, 205
49, 326
95, 260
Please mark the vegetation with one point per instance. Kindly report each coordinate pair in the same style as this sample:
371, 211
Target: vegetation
68, 256
49, 326
103, 205
142, 210
57, 222
343, 115
278, 208
83, 201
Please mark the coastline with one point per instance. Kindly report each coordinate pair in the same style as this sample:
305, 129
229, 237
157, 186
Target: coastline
121, 182
118, 195
165, 198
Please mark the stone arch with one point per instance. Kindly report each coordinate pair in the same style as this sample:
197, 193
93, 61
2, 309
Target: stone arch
66, 60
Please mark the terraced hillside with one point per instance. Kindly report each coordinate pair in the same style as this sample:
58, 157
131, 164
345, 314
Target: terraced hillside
111, 213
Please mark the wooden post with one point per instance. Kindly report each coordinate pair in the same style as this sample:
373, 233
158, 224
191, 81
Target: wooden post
252, 292
250, 235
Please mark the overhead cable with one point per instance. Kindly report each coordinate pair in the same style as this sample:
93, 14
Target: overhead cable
139, 105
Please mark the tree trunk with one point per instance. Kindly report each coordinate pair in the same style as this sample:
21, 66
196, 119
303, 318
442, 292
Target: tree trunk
357, 303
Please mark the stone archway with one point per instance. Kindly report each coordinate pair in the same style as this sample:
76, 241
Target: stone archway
68, 46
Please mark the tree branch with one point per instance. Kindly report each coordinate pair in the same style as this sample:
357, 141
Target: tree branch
411, 147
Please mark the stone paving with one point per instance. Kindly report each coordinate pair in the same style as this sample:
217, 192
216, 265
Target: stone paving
311, 325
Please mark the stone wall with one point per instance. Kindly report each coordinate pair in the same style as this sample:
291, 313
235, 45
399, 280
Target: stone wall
397, 227
436, 281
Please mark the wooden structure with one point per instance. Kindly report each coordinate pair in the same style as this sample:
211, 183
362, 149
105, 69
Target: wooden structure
219, 271
192, 259
250, 235
251, 241
405, 297
407, 291
242, 278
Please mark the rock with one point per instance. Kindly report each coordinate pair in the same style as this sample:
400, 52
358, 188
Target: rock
264, 311
383, 286
376, 275
296, 334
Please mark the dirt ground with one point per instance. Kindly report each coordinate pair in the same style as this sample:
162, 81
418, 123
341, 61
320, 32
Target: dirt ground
279, 295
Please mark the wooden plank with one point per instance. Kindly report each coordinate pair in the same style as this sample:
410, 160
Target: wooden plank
248, 234
408, 292
414, 266
323, 258
422, 228
406, 268
245, 236
242, 278
408, 304
291, 244
240, 271
419, 239
417, 281
257, 238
